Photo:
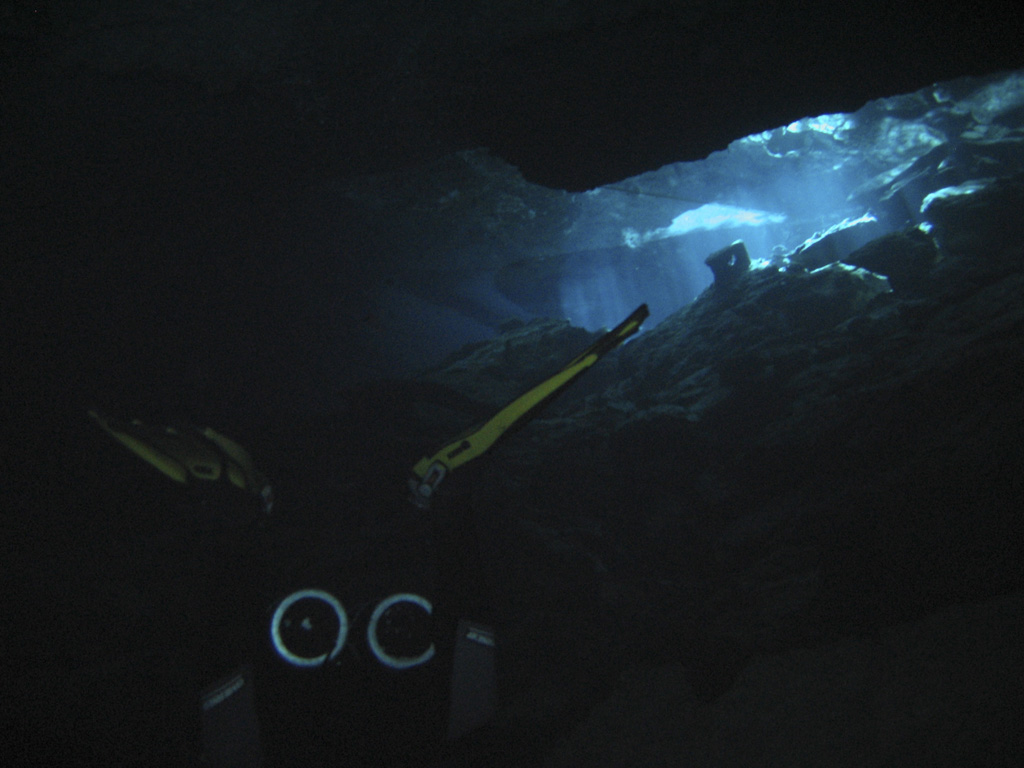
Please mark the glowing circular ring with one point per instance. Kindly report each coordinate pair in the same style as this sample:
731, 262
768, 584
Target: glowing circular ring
288, 602
397, 662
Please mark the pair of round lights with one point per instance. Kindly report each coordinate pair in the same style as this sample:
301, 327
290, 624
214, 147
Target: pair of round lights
309, 628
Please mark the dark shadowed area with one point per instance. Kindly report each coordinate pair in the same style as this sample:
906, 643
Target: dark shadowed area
779, 525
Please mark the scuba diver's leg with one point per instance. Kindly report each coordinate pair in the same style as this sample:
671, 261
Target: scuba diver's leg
225, 583
462, 579
463, 584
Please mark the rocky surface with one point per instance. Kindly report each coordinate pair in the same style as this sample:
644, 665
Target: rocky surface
789, 492
943, 690
575, 93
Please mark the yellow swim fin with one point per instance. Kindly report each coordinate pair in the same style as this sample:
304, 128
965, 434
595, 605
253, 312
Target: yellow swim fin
189, 454
241, 470
180, 456
429, 471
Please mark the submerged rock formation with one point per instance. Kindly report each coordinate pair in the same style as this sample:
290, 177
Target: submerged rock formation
811, 474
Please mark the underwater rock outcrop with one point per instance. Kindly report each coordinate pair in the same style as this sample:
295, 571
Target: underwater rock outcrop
821, 454
905, 258
728, 263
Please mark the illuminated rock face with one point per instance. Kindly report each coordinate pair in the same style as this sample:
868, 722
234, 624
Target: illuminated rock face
471, 236
353, 163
